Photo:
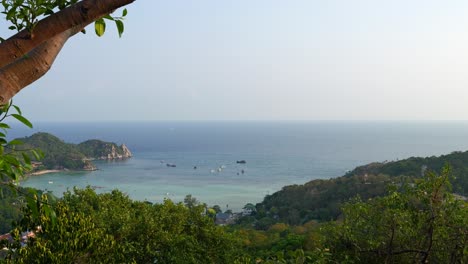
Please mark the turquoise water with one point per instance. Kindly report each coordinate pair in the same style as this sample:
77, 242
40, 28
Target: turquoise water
277, 154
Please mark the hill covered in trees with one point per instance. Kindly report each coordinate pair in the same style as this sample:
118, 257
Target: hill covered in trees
416, 223
61, 155
322, 199
415, 167
382, 219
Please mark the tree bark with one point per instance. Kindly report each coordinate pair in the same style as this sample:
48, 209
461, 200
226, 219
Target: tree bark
26, 57
30, 67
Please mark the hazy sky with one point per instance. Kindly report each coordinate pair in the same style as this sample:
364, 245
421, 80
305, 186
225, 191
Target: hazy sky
264, 60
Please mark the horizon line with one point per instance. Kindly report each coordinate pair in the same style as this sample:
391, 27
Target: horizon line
250, 121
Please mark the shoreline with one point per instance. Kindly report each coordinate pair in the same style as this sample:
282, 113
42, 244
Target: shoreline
42, 172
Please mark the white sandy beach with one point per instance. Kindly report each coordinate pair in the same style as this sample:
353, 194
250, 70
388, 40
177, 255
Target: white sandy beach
42, 172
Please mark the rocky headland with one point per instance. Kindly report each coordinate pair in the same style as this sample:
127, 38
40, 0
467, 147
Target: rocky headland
60, 156
100, 150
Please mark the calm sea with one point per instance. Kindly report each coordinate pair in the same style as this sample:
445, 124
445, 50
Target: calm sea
276, 154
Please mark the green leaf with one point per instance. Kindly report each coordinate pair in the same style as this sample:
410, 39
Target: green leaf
32, 203
124, 12
26, 158
120, 27
11, 160
17, 109
5, 126
50, 197
23, 120
100, 27
48, 211
37, 154
108, 17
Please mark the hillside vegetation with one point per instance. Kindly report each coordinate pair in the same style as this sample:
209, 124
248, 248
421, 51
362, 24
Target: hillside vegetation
61, 155
415, 223
322, 199
415, 167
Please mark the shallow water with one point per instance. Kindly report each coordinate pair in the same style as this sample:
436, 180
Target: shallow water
277, 154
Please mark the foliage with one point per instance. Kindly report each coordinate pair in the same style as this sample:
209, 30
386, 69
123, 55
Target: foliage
13, 163
25, 14
10, 208
57, 154
217, 208
111, 228
281, 243
292, 257
415, 167
96, 149
61, 155
100, 24
316, 200
70, 237
415, 223
422, 223
322, 199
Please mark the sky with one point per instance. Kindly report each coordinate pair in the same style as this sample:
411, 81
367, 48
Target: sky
263, 60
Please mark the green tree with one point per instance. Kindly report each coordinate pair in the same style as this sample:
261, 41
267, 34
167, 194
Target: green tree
191, 201
111, 228
217, 208
70, 237
421, 223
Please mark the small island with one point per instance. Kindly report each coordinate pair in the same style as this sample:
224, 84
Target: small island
62, 156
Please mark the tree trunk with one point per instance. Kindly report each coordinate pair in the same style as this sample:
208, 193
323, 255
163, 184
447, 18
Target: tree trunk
25, 57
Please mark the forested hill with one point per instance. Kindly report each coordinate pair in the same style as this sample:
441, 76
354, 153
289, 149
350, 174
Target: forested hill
322, 199
416, 166
61, 155
97, 149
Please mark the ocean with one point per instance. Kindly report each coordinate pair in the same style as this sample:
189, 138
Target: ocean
276, 154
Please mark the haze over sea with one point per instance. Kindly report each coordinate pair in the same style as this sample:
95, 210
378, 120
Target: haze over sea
277, 154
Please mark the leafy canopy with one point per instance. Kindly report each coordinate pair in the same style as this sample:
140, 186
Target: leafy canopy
25, 14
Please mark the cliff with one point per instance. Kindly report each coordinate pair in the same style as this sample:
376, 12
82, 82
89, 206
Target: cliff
59, 155
97, 149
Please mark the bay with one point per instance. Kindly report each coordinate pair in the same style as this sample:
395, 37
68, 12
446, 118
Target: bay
276, 154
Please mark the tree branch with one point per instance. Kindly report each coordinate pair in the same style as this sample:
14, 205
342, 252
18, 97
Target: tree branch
15, 76
24, 58
81, 13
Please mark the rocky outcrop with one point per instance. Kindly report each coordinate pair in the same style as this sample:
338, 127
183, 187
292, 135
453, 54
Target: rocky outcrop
99, 150
89, 166
127, 152
121, 152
